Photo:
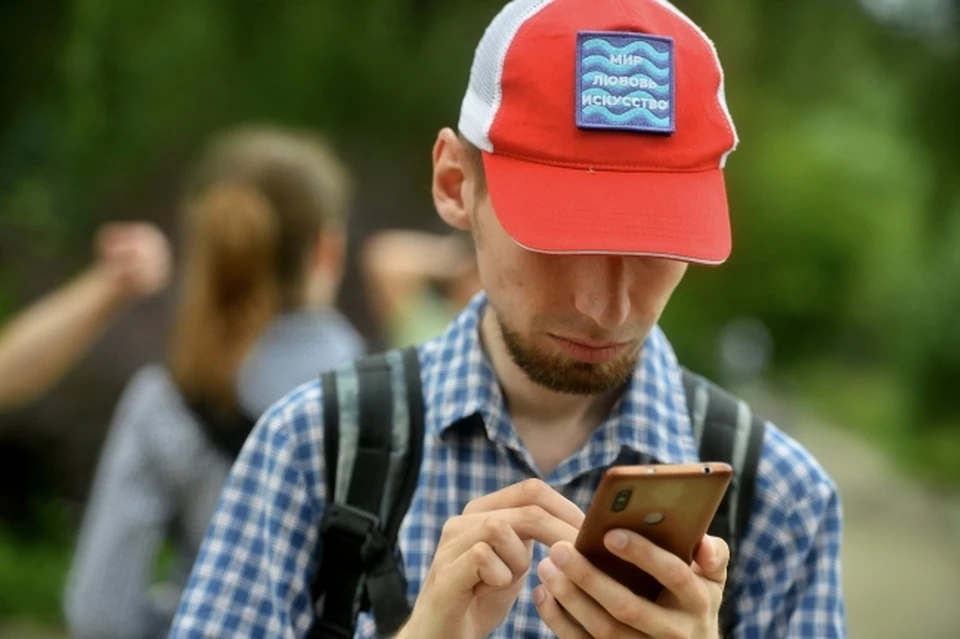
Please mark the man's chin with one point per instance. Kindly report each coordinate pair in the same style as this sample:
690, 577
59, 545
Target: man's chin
577, 384
561, 373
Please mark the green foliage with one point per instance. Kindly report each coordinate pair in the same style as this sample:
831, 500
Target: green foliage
140, 79
843, 192
31, 578
33, 565
880, 407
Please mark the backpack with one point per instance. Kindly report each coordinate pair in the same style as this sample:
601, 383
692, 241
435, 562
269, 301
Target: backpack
373, 417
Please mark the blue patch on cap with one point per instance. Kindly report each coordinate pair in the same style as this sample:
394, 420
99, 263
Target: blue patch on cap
625, 82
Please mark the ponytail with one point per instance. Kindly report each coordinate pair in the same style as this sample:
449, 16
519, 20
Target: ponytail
230, 291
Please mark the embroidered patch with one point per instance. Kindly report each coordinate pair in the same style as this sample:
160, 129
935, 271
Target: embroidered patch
625, 81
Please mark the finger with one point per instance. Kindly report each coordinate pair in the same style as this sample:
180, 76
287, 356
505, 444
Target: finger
532, 492
519, 573
712, 557
497, 534
553, 615
671, 571
623, 612
578, 605
479, 565
529, 522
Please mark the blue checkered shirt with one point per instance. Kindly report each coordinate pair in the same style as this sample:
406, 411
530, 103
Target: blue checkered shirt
253, 573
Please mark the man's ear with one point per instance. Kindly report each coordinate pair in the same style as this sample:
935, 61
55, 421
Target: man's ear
453, 180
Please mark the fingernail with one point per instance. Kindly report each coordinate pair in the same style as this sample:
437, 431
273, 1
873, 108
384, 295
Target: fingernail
559, 555
711, 549
546, 569
617, 540
539, 594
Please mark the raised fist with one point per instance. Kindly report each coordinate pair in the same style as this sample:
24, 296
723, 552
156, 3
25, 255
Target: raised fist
135, 256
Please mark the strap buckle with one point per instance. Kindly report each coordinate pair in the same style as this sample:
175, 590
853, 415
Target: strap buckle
354, 528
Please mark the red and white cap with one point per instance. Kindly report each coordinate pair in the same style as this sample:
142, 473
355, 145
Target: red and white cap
604, 128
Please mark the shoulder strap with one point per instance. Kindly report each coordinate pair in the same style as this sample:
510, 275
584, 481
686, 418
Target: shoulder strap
726, 430
373, 445
227, 433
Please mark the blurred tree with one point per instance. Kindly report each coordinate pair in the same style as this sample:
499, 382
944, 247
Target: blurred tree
843, 192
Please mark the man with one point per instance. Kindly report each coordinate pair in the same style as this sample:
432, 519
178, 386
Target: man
41, 343
602, 132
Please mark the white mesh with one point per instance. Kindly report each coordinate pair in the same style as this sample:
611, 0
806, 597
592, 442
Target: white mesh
482, 99
721, 94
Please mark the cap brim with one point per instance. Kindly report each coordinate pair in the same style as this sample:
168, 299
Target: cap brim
552, 209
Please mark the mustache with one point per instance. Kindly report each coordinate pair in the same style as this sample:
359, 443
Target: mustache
577, 329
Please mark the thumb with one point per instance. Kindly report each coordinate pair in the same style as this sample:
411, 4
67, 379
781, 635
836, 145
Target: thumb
712, 558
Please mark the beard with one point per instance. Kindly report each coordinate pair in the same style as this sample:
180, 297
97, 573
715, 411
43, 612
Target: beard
562, 374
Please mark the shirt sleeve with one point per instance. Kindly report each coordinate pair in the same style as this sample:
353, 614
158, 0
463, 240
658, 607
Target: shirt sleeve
789, 583
251, 575
126, 518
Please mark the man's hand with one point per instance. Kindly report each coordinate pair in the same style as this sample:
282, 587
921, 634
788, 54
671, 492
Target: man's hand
577, 600
134, 257
482, 559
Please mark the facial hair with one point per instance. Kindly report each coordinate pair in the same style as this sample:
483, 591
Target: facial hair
563, 374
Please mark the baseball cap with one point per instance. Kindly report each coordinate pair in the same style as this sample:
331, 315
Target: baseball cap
603, 128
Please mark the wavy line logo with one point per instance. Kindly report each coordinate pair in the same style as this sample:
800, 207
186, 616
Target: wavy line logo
606, 63
627, 117
640, 48
625, 81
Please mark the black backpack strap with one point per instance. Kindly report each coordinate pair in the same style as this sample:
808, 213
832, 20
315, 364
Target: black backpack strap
226, 431
727, 430
373, 446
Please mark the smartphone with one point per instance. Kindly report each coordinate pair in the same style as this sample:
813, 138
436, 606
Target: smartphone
672, 505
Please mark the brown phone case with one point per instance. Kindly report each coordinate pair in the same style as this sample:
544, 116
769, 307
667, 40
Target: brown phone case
670, 504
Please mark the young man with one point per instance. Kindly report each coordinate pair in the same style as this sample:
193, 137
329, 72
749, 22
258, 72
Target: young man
602, 133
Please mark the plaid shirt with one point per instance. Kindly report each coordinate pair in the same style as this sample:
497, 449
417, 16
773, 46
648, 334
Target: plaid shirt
253, 573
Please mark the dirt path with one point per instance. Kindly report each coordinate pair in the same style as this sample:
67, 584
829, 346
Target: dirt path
901, 546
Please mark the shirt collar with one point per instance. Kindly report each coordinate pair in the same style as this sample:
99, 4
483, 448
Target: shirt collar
650, 417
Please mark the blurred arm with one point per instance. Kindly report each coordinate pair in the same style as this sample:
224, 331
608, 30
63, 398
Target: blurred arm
126, 518
45, 340
398, 263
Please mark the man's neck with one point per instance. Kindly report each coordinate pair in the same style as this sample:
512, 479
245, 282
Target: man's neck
552, 425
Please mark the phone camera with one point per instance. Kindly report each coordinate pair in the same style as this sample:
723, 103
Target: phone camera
621, 500
653, 519
707, 470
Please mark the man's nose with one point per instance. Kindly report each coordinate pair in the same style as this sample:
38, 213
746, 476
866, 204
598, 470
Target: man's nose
602, 290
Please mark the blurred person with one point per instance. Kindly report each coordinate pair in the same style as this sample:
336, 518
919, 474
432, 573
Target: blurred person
41, 343
418, 281
588, 167
264, 232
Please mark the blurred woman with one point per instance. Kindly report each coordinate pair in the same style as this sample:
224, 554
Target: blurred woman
264, 235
